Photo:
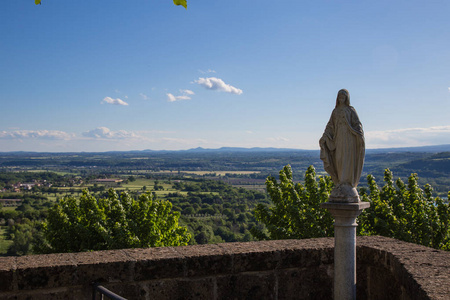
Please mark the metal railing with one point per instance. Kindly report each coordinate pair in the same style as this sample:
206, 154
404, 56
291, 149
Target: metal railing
98, 289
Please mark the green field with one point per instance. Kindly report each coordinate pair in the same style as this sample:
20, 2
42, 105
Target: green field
4, 244
139, 183
9, 208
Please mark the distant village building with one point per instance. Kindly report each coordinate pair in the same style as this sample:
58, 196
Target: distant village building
27, 186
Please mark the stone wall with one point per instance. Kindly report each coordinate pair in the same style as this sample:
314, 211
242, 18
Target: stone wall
288, 269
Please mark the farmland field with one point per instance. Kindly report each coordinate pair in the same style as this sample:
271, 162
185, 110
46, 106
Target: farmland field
4, 243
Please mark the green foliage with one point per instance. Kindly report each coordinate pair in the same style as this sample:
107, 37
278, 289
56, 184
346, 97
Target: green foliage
7, 178
296, 212
405, 212
206, 235
4, 242
180, 2
115, 222
33, 207
22, 237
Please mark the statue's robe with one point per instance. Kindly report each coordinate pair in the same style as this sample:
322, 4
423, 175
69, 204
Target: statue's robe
342, 146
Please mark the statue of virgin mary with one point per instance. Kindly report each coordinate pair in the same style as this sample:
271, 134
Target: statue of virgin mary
342, 150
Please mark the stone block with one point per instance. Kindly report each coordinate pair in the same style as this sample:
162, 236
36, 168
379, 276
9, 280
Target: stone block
382, 284
186, 289
64, 294
249, 257
254, 285
7, 267
103, 266
128, 290
157, 263
306, 283
361, 281
205, 260
45, 271
300, 258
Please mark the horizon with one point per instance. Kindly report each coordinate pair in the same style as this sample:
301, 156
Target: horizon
445, 146
108, 76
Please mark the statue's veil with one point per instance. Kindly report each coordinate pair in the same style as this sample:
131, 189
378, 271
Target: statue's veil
347, 97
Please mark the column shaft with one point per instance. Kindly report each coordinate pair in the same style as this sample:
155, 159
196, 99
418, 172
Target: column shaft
344, 260
345, 215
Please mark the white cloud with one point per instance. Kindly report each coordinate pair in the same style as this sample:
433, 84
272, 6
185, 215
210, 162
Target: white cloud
249, 132
213, 83
172, 98
185, 96
187, 92
144, 96
106, 133
449, 89
110, 100
36, 134
408, 137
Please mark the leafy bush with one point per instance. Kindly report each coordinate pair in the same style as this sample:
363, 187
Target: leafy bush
115, 222
296, 211
404, 212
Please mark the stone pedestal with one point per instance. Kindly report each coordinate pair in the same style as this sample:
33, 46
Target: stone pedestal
345, 215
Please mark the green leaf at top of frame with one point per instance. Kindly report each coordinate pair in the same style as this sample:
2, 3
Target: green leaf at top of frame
37, 2
179, 2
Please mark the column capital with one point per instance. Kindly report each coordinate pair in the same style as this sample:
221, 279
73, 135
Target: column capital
345, 214
355, 206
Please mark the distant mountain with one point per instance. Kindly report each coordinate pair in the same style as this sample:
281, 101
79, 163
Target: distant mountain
424, 149
427, 149
241, 149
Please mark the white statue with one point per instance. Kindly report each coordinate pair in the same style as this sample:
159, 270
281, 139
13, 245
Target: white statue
342, 150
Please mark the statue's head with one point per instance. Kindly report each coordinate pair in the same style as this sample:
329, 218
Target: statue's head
343, 97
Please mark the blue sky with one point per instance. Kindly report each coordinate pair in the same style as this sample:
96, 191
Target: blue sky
145, 74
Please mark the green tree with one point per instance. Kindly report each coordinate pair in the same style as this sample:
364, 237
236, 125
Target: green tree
205, 235
405, 212
115, 222
296, 211
22, 236
189, 211
21, 243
